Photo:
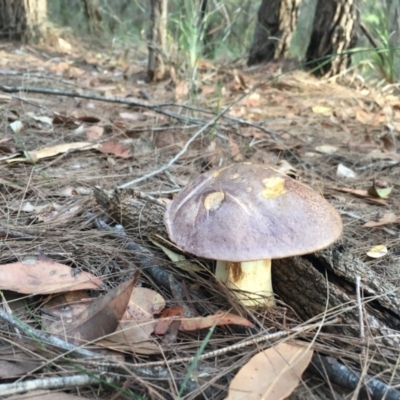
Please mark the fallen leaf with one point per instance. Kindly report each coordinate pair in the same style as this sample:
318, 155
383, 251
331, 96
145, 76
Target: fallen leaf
388, 218
16, 126
193, 324
376, 190
377, 251
101, 317
41, 118
36, 155
89, 119
389, 142
377, 154
34, 276
94, 132
326, 149
133, 116
65, 307
363, 194
345, 172
182, 90
327, 111
272, 374
137, 324
363, 117
179, 259
17, 364
235, 150
116, 149
253, 100
251, 131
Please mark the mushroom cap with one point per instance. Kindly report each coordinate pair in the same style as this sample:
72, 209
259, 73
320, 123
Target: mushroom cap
247, 212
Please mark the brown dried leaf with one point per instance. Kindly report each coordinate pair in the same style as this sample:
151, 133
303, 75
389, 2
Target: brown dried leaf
133, 116
388, 218
66, 308
137, 324
43, 275
363, 194
235, 150
116, 149
193, 324
36, 155
99, 319
272, 374
389, 142
94, 132
89, 119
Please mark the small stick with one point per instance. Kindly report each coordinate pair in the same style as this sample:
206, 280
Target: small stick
59, 382
360, 308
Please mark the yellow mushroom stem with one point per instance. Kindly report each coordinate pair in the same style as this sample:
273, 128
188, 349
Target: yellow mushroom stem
251, 279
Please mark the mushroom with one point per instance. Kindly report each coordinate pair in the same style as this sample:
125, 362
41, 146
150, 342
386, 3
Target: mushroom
244, 215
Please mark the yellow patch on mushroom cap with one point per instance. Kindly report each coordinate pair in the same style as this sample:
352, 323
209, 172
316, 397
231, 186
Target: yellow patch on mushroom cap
234, 176
274, 187
213, 201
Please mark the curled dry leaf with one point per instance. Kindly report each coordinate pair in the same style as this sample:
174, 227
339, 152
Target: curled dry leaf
99, 319
377, 251
34, 276
193, 324
272, 374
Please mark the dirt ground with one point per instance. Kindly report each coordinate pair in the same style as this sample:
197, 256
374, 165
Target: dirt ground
338, 136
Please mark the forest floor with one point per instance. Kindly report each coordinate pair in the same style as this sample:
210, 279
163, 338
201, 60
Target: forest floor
336, 135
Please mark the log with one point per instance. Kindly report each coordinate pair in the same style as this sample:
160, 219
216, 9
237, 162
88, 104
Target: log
310, 284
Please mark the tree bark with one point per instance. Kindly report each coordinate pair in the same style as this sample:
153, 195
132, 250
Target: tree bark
334, 34
157, 38
93, 16
276, 23
23, 20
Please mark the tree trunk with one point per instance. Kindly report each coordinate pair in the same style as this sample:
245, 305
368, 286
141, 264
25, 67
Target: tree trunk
93, 16
157, 40
275, 26
334, 34
311, 285
23, 19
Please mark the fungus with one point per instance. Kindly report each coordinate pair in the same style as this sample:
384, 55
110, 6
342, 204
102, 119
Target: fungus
245, 215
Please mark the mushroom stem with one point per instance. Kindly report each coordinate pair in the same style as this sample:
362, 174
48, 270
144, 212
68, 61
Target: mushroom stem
253, 277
